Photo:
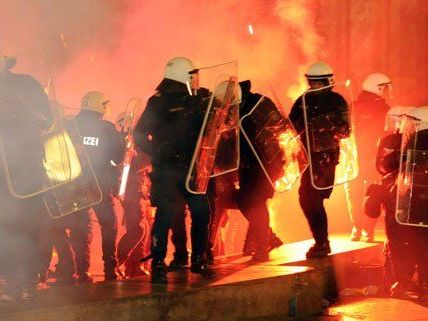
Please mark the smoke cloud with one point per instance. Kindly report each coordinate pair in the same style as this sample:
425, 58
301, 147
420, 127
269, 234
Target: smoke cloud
121, 47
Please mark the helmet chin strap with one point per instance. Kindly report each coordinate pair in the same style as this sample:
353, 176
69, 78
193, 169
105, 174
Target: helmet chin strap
189, 88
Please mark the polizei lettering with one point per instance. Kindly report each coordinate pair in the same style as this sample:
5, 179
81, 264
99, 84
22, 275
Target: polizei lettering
90, 141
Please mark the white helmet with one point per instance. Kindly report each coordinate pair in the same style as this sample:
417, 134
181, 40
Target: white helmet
6, 62
179, 69
421, 114
95, 101
222, 87
378, 84
320, 71
394, 117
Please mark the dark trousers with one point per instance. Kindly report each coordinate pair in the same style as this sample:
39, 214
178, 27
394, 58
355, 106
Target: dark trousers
312, 203
179, 234
81, 235
134, 216
408, 250
252, 202
21, 229
170, 197
57, 237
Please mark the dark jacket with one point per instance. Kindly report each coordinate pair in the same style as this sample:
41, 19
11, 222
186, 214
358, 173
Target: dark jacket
102, 142
331, 128
24, 106
25, 114
168, 129
327, 122
256, 127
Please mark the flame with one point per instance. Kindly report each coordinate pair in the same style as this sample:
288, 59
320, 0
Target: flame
124, 180
347, 169
292, 148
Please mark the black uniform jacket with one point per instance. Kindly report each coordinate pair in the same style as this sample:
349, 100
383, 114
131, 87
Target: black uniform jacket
168, 129
25, 114
102, 142
319, 104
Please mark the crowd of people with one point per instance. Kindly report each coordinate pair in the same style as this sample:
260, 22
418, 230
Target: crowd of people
182, 126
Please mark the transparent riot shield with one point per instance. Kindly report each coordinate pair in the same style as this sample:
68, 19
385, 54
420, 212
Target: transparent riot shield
217, 148
39, 153
412, 180
68, 162
133, 108
330, 136
274, 142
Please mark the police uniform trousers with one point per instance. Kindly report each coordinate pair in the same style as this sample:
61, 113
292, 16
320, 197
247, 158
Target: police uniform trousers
251, 199
169, 196
81, 233
20, 235
407, 246
312, 203
134, 218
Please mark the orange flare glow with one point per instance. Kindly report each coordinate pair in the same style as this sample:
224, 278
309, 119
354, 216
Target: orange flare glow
347, 169
291, 147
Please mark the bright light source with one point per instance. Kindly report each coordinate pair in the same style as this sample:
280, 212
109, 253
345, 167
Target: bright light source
124, 180
348, 83
250, 29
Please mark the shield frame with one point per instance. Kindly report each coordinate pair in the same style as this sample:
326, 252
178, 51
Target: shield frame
228, 100
60, 132
405, 177
275, 184
134, 105
352, 140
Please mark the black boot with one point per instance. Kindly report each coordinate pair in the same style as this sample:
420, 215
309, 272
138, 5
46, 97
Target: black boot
318, 251
159, 272
200, 266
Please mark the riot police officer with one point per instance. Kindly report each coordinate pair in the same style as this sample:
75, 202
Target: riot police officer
254, 188
135, 203
320, 102
406, 244
167, 132
25, 115
104, 147
370, 108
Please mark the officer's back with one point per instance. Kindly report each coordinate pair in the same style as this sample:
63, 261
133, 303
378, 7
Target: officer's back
100, 138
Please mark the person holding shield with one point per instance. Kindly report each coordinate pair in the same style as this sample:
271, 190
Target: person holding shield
167, 132
321, 115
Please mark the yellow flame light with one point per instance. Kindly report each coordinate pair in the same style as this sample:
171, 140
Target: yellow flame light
347, 169
61, 161
291, 147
